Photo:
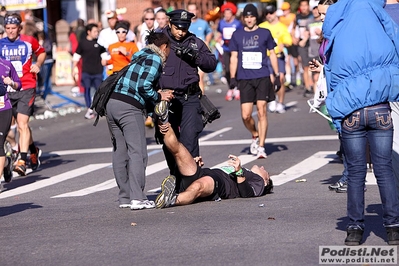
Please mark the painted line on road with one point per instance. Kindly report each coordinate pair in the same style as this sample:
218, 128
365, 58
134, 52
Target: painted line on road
214, 134
154, 168
53, 180
205, 143
305, 167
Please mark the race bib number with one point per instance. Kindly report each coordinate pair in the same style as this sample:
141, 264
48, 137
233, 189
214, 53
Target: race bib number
2, 102
18, 67
251, 60
228, 32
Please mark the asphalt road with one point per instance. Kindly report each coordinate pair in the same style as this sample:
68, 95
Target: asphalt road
66, 212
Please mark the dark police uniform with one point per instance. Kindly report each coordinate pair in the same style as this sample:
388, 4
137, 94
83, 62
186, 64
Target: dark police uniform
180, 74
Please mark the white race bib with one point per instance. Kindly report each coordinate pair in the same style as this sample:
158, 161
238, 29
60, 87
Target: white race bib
228, 32
251, 60
18, 67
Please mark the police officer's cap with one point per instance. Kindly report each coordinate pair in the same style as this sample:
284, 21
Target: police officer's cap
180, 18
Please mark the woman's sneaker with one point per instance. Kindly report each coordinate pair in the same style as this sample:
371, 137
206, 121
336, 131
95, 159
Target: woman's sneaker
142, 204
261, 153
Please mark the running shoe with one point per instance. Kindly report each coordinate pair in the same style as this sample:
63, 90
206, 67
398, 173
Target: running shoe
161, 110
280, 108
261, 153
229, 95
20, 167
142, 204
168, 196
272, 106
125, 205
7, 172
236, 94
254, 146
35, 159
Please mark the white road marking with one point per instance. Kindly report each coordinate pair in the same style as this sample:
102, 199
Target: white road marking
305, 167
205, 142
53, 180
214, 134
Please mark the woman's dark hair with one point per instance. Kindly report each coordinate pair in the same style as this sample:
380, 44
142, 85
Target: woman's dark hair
157, 38
327, 2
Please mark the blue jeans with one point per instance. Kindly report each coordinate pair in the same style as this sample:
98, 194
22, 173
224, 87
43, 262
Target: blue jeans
372, 123
89, 81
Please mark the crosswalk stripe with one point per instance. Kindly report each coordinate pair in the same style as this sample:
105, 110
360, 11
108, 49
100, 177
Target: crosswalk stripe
53, 180
203, 142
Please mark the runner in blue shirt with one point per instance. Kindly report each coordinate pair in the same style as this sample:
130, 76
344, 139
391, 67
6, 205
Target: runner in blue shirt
250, 73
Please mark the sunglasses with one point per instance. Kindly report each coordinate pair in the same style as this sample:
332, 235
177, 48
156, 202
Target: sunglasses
118, 32
149, 19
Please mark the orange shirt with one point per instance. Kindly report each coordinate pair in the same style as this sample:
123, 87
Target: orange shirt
288, 20
119, 60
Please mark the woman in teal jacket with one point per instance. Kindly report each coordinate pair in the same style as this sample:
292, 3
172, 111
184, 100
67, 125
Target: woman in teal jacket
362, 71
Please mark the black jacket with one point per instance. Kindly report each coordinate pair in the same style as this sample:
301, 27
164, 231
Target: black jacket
178, 74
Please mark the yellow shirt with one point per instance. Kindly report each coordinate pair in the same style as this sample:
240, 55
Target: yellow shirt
280, 34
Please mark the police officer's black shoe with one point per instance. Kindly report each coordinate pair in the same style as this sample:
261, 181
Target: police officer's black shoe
161, 110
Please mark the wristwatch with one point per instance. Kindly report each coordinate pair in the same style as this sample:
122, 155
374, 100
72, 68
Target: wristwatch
240, 173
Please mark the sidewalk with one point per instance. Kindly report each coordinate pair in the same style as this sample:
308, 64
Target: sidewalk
60, 103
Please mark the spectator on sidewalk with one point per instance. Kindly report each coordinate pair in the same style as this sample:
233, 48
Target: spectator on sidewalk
251, 74
161, 18
23, 100
108, 35
392, 8
92, 55
361, 81
122, 51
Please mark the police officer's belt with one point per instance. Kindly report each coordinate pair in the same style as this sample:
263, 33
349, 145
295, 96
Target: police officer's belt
190, 90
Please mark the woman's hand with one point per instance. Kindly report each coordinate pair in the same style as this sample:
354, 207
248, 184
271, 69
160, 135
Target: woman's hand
315, 66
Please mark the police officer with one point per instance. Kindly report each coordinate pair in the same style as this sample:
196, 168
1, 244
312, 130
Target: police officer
181, 75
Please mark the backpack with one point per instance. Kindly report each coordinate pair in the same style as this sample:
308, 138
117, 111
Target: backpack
104, 91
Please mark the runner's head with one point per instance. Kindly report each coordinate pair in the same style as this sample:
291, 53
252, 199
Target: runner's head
260, 170
13, 26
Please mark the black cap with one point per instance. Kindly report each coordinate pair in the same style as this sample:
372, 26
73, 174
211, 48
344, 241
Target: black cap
180, 18
270, 9
250, 10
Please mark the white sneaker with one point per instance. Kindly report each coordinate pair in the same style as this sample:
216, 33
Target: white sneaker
90, 114
236, 94
229, 95
142, 204
272, 106
280, 108
125, 205
261, 153
254, 146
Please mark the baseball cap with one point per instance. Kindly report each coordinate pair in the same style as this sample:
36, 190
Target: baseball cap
270, 9
285, 6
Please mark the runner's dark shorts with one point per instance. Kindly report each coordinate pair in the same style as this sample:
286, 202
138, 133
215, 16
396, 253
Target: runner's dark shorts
304, 54
252, 90
293, 50
220, 186
22, 101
